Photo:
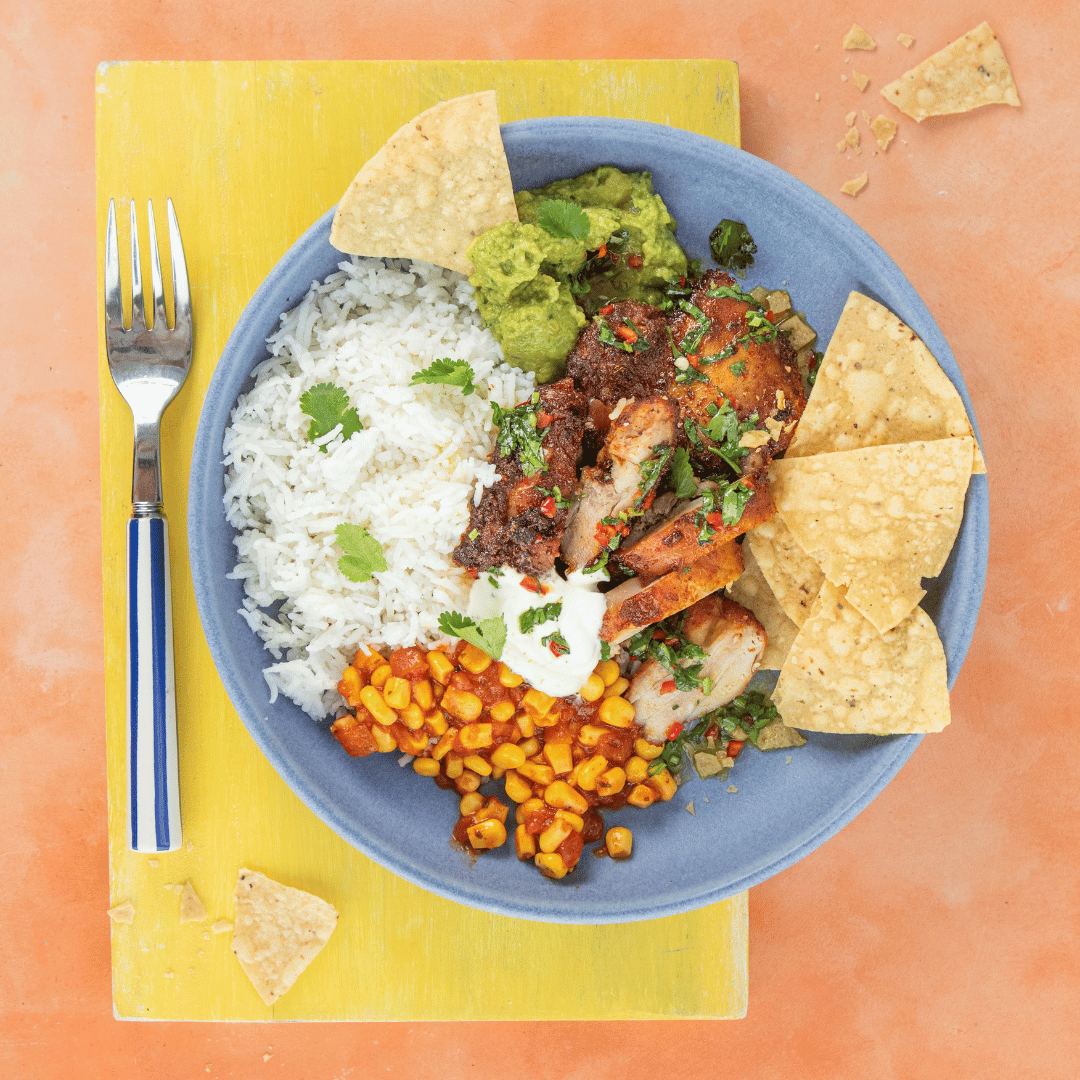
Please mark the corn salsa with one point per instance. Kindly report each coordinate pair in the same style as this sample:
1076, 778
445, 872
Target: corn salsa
466, 719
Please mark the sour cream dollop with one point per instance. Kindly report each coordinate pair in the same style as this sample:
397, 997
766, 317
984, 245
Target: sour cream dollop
578, 621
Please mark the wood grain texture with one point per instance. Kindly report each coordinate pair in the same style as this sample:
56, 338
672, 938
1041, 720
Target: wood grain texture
252, 154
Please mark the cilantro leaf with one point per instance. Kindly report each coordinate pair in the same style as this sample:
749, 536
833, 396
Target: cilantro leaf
489, 635
363, 553
328, 406
733, 247
447, 371
563, 219
535, 616
518, 433
682, 474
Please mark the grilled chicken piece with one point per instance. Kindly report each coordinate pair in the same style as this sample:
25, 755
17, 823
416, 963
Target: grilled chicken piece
607, 373
634, 605
759, 377
676, 542
613, 484
512, 524
735, 642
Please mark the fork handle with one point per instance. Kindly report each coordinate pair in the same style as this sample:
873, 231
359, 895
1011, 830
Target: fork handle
153, 782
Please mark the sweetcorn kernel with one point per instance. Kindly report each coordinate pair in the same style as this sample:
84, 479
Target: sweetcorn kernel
637, 770
619, 842
442, 667
470, 803
617, 688
611, 782
422, 695
608, 670
507, 756
552, 865
426, 766
462, 704
477, 764
593, 690
537, 702
517, 788
617, 712
490, 833
372, 700
396, 692
524, 843
473, 659
507, 677
380, 675
562, 796
502, 711
641, 796
647, 750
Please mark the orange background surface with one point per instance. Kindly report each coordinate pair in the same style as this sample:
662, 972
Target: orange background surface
934, 937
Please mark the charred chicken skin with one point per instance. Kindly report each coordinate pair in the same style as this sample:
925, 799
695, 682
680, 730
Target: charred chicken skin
519, 522
743, 361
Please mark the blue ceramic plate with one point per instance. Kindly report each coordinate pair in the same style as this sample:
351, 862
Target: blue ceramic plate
781, 811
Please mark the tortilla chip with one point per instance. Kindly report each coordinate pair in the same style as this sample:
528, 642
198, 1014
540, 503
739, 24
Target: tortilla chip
906, 40
752, 591
843, 676
877, 520
191, 907
858, 38
795, 579
279, 931
861, 80
967, 73
432, 189
878, 384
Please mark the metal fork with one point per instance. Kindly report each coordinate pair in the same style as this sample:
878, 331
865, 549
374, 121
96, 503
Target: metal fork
148, 366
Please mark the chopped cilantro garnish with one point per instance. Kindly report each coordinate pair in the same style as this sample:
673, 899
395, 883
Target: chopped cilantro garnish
738, 368
518, 434
725, 429
665, 643
363, 553
605, 650
450, 372
561, 502
733, 247
727, 499
488, 634
745, 716
535, 616
328, 405
682, 475
651, 470
565, 220
630, 341
731, 292
556, 643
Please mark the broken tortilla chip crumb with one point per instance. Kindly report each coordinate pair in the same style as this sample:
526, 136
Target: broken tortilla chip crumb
855, 185
850, 118
222, 926
858, 38
124, 912
861, 80
968, 73
906, 40
884, 130
191, 907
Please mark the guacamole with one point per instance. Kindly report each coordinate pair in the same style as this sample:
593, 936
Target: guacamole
536, 290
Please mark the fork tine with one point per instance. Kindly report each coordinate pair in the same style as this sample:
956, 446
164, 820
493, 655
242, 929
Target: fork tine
138, 315
155, 272
114, 303
181, 289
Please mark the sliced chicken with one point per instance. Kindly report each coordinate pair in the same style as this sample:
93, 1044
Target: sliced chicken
634, 605
614, 484
735, 642
758, 377
676, 542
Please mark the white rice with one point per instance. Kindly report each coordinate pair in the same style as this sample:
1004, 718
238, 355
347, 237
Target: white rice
407, 477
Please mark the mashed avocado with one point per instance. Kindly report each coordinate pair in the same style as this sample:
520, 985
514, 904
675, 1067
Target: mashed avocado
535, 290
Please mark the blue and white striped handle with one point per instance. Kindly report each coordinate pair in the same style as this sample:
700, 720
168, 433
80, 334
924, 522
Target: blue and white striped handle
153, 783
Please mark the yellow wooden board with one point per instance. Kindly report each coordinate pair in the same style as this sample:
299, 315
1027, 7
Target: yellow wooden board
252, 154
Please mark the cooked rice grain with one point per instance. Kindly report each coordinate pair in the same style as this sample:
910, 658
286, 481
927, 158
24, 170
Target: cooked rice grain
407, 477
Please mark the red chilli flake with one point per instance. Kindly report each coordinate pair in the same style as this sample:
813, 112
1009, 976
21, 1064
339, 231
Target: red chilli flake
472, 572
626, 334
636, 261
547, 507
543, 420
530, 584
675, 730
602, 252
668, 687
557, 649
771, 316
733, 749
607, 309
